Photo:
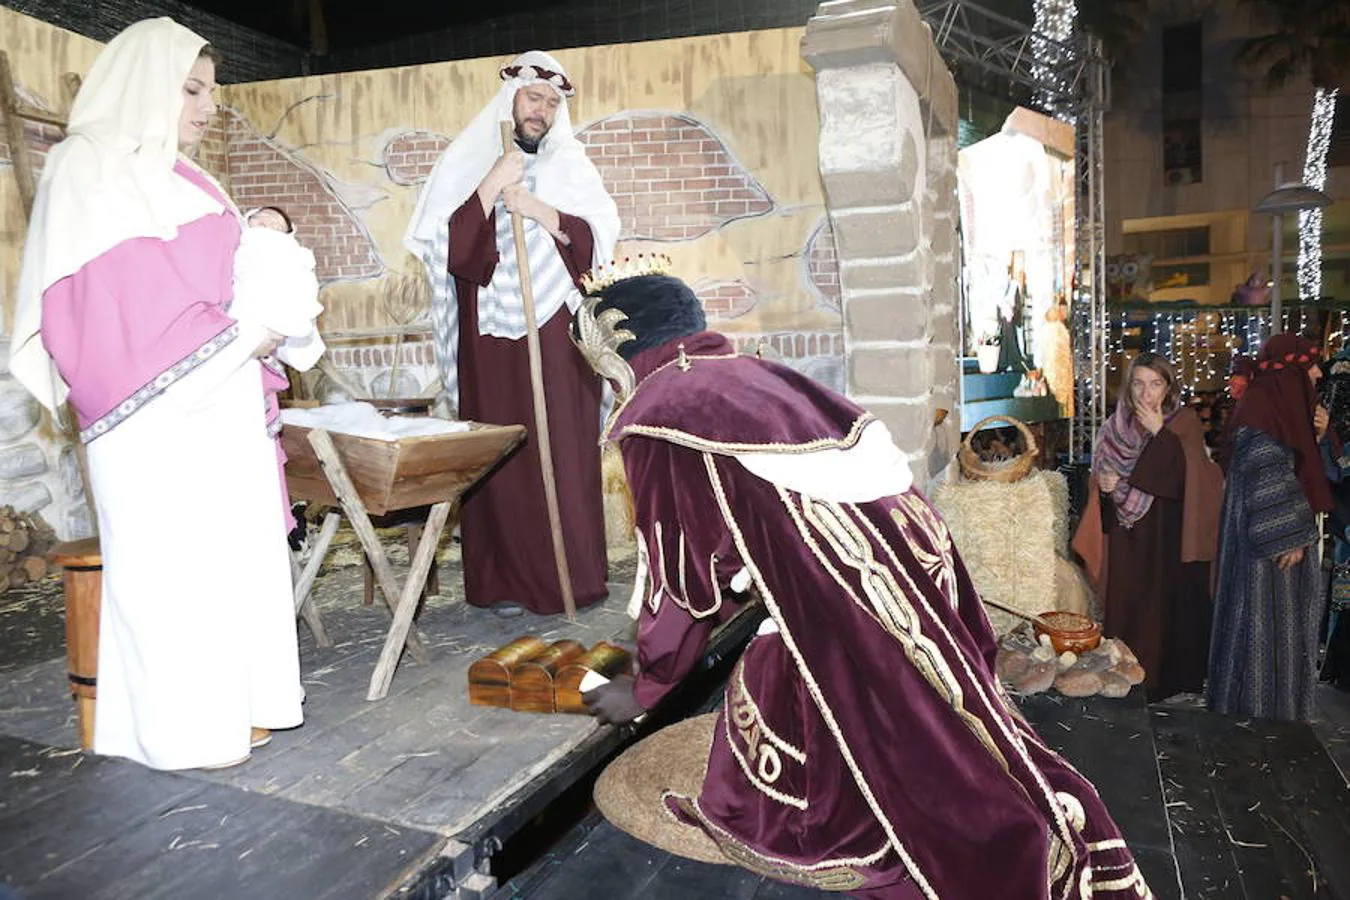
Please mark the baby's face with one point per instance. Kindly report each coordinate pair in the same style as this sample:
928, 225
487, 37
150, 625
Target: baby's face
267, 218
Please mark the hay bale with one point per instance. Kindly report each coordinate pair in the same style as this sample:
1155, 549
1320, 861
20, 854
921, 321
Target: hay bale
1012, 538
620, 536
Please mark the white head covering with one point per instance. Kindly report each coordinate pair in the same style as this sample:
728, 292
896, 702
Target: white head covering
109, 181
566, 179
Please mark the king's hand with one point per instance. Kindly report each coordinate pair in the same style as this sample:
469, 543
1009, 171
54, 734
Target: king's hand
613, 703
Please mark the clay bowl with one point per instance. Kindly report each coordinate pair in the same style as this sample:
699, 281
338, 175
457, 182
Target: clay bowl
1069, 631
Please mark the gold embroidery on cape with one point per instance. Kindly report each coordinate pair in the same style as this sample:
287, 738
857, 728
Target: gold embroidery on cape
808, 678
939, 563
743, 695
894, 610
1059, 860
827, 875
662, 584
658, 571
1135, 881
1016, 737
765, 765
695, 442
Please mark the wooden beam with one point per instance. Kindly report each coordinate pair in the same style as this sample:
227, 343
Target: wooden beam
18, 144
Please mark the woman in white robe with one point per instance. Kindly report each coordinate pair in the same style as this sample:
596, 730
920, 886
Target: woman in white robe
123, 311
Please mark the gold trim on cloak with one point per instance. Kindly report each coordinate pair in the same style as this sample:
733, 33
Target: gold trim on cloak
997, 712
703, 444
835, 875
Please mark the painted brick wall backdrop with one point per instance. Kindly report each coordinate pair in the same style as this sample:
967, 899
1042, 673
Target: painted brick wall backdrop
687, 135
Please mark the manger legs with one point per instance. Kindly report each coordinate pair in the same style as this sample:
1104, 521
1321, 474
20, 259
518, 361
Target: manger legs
423, 562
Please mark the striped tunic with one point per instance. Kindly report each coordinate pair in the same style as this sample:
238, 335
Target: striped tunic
1263, 651
500, 310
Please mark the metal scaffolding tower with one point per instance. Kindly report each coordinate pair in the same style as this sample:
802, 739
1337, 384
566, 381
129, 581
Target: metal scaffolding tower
1067, 80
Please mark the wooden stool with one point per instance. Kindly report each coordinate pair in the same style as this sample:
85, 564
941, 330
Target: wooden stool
83, 564
412, 520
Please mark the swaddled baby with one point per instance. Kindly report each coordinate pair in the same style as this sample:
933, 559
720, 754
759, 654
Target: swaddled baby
275, 286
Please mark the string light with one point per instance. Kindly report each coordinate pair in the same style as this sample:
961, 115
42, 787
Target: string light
1157, 333
1208, 356
1053, 27
1117, 352
1315, 176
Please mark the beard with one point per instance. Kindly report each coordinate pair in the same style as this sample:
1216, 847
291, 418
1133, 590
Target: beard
529, 143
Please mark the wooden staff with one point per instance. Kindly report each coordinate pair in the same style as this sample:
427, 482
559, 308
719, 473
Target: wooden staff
540, 408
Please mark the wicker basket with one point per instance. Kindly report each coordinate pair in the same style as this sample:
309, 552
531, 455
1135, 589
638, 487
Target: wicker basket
977, 469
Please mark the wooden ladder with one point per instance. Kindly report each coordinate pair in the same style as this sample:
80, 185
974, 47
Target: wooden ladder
15, 112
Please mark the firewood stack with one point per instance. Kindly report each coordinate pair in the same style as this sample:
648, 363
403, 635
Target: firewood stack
24, 541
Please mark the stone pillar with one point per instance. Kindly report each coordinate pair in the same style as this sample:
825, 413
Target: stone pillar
888, 163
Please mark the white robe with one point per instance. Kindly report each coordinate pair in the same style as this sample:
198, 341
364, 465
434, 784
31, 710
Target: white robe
197, 635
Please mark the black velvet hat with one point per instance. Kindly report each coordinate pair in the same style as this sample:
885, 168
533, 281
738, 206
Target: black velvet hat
659, 308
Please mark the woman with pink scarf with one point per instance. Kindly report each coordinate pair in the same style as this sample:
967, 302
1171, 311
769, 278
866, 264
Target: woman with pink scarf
123, 311
1151, 528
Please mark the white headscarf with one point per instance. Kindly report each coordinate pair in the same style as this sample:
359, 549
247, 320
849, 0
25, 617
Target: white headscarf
109, 181
566, 179
563, 178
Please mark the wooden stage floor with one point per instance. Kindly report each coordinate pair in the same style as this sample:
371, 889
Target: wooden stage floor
363, 800
1213, 808
392, 778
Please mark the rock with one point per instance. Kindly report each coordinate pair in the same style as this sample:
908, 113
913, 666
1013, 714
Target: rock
1093, 662
1114, 685
1037, 678
1130, 671
22, 461
30, 497
1077, 683
1011, 665
1044, 640
1043, 653
19, 412
72, 482
1066, 660
79, 524
1124, 650
1111, 650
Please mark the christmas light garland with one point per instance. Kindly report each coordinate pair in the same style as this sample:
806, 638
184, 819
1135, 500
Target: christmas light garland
1053, 24
1315, 176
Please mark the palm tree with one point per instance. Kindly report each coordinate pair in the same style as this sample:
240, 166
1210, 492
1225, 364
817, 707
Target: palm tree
1310, 37
1119, 24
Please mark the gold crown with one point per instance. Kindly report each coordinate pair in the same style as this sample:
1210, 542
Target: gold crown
607, 274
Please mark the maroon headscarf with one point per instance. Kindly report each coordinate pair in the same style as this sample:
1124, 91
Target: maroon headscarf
1280, 402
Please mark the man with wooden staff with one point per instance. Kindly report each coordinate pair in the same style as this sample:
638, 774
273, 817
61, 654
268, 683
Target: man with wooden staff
462, 232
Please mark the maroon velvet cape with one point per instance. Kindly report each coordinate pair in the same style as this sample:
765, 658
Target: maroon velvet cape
508, 548
867, 746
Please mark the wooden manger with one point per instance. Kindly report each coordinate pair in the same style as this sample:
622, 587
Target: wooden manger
365, 476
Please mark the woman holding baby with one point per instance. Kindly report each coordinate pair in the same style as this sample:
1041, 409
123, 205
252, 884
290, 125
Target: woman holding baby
1151, 528
124, 310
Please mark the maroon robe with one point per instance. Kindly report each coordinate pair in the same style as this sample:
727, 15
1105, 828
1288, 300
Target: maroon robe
1156, 603
508, 548
866, 746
